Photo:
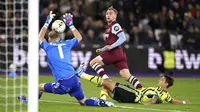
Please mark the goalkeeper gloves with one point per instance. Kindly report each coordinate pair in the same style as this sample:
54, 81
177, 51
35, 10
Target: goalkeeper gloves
68, 19
49, 19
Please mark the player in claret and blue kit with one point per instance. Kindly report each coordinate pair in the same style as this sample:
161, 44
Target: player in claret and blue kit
112, 53
59, 60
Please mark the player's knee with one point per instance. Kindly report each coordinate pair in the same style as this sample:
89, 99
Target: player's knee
41, 87
92, 62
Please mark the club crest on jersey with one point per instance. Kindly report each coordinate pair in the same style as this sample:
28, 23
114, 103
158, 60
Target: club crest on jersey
116, 28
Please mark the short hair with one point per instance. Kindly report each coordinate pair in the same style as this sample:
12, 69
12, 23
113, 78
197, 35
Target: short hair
169, 80
53, 35
112, 8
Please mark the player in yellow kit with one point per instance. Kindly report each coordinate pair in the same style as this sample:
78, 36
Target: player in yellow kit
125, 94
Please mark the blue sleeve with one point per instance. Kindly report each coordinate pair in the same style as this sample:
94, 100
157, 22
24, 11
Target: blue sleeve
120, 40
74, 42
44, 44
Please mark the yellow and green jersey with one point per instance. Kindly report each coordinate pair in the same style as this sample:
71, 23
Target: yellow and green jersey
146, 94
126, 94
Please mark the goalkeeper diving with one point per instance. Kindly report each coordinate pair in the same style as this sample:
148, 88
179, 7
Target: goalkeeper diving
126, 94
59, 60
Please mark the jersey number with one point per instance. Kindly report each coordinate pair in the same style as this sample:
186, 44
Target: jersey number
60, 51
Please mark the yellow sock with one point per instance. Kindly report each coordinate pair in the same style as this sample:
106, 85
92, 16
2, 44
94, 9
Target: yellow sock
103, 94
94, 79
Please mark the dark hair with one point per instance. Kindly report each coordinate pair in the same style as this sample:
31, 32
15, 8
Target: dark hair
169, 80
112, 8
53, 35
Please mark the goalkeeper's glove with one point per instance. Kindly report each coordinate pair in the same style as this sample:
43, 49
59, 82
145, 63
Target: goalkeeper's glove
68, 19
49, 19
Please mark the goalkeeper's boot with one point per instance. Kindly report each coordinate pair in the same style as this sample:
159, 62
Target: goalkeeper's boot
23, 99
80, 69
104, 103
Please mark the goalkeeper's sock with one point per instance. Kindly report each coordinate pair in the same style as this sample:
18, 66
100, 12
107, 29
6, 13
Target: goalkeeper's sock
39, 95
103, 94
94, 79
98, 102
91, 102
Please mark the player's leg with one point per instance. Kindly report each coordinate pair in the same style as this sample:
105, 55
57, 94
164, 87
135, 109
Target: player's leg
108, 84
41, 90
107, 59
43, 87
104, 93
124, 72
78, 93
130, 78
96, 102
46, 87
97, 64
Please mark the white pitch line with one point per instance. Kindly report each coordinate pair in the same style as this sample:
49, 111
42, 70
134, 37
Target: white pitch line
124, 107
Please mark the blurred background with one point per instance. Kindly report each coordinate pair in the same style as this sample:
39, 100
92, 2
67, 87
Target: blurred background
145, 22
151, 27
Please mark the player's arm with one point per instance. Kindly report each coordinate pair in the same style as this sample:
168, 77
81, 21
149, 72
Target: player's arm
120, 41
179, 101
46, 25
68, 19
152, 101
77, 34
169, 99
116, 30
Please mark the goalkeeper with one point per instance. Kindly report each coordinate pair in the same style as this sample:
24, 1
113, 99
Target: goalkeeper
59, 60
125, 94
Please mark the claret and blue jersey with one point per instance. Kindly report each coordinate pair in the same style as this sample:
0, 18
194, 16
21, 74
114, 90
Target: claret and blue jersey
59, 58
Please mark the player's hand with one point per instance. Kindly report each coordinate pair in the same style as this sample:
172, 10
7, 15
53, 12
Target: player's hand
68, 19
49, 18
108, 47
99, 51
187, 102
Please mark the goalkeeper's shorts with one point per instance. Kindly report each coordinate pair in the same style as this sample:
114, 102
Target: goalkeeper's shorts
70, 86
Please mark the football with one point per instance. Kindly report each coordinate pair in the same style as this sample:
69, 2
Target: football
58, 26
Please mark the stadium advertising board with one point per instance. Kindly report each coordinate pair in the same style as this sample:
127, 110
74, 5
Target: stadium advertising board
139, 60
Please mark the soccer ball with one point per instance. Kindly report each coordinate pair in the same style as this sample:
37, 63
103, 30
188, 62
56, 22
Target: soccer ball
58, 26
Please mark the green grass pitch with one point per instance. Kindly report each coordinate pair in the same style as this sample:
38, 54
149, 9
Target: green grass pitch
184, 89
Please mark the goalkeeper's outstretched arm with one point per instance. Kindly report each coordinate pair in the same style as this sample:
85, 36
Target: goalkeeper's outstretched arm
46, 25
42, 34
68, 19
77, 34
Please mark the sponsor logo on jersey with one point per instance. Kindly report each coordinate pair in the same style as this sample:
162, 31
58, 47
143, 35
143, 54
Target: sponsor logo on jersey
116, 28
